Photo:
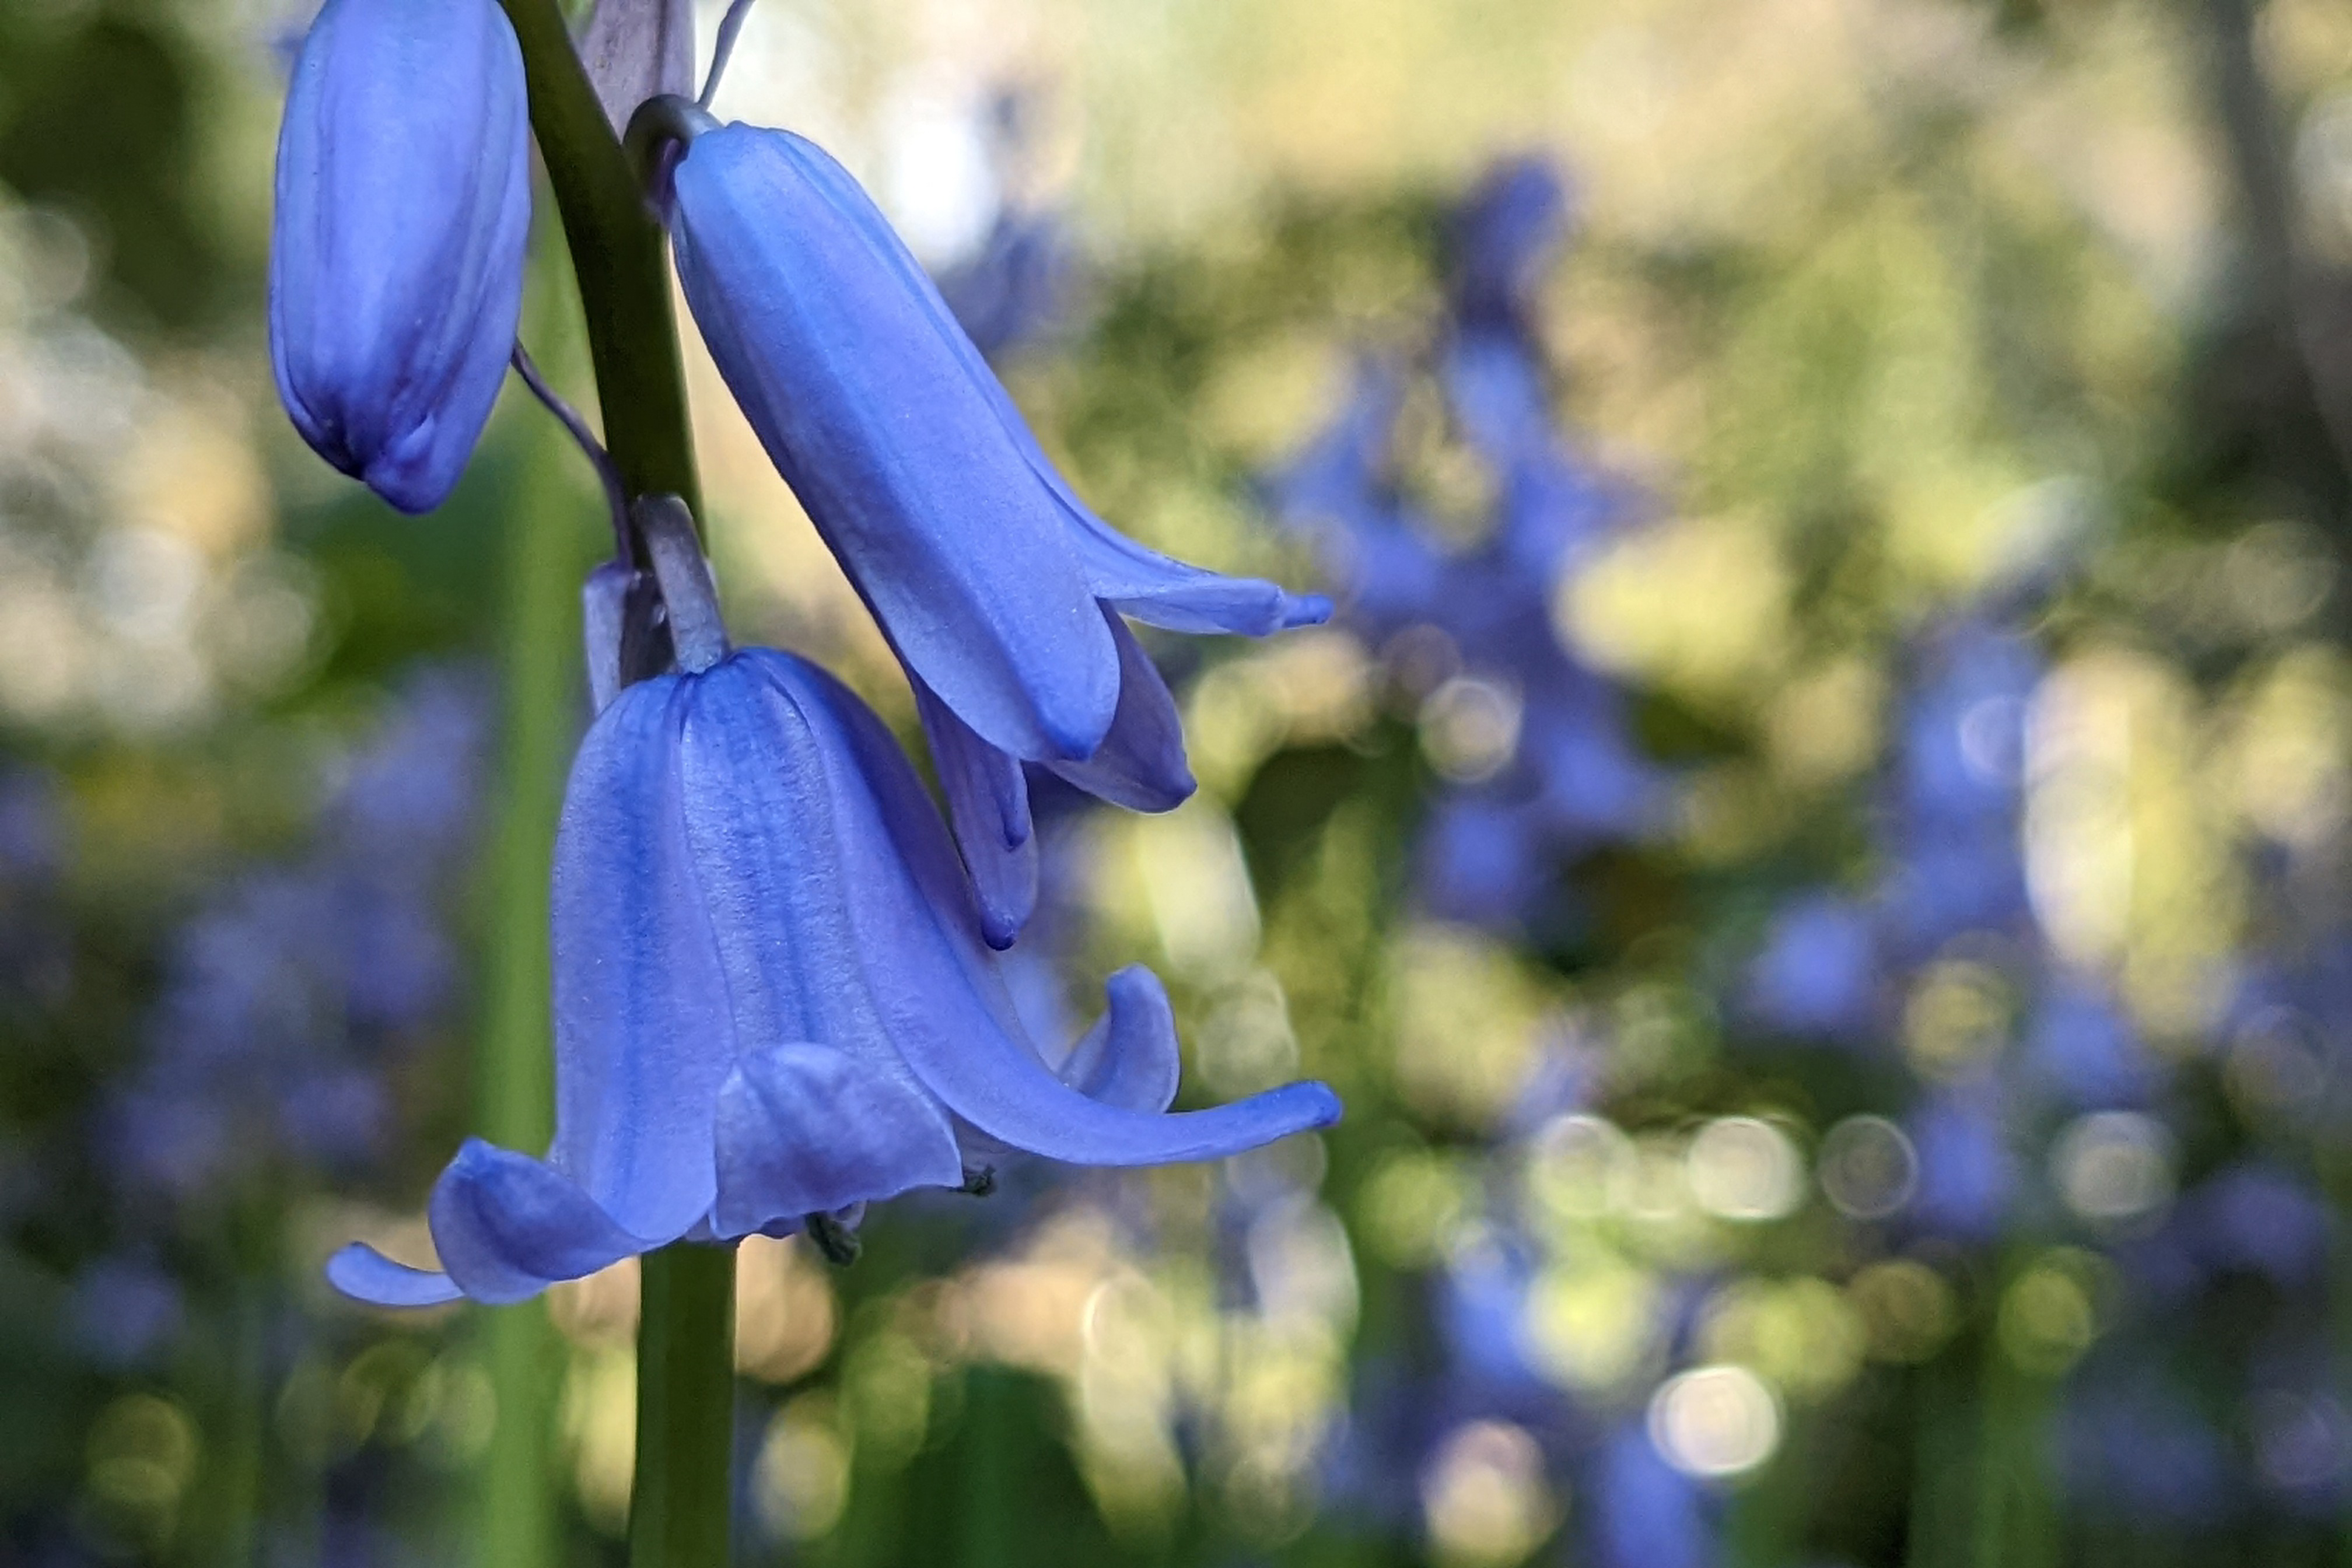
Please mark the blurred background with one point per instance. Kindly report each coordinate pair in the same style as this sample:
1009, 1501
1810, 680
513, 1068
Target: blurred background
1814, 846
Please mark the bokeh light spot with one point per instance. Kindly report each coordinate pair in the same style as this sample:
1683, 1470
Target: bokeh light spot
1484, 1495
1868, 1168
1745, 1169
2114, 1167
1714, 1421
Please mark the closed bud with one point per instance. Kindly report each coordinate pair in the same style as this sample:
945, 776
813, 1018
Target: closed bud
396, 254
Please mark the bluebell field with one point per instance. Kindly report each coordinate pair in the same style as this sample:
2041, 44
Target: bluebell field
1732, 626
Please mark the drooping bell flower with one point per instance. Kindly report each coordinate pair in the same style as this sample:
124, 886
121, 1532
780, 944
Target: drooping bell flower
396, 250
773, 1002
1001, 591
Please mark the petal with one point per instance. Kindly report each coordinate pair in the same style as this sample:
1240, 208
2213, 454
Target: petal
1141, 764
1156, 589
508, 1226
988, 802
644, 1032
397, 247
1161, 591
633, 49
804, 1129
935, 984
363, 1273
1129, 1059
774, 859
1495, 387
857, 380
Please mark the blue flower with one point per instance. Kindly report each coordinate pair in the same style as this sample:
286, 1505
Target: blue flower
2256, 1218
1967, 1174
1505, 236
2082, 1046
1001, 593
396, 254
1818, 972
1011, 291
2133, 1446
1645, 1511
296, 990
774, 1002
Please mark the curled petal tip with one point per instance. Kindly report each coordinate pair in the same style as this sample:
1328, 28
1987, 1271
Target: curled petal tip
1319, 1104
508, 1226
364, 1274
1305, 610
1001, 928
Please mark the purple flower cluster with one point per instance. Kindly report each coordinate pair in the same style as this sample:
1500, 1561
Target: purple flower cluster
293, 996
1996, 1128
1473, 623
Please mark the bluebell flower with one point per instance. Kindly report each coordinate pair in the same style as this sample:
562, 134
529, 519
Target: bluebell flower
1591, 780
292, 989
1575, 776
2256, 1218
773, 1001
1817, 973
1504, 236
396, 250
1002, 594
1484, 861
1644, 1513
2083, 1047
2137, 1447
1968, 1174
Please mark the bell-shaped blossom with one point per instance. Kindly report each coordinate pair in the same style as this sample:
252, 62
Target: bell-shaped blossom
774, 1002
1002, 591
397, 253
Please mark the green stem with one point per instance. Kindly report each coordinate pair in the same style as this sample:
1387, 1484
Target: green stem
678, 1511
237, 1480
548, 546
2335, 1165
620, 255
1993, 1468
1942, 1416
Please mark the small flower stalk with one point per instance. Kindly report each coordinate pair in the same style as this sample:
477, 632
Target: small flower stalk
396, 248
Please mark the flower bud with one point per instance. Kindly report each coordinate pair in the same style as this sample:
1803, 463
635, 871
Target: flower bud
396, 252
